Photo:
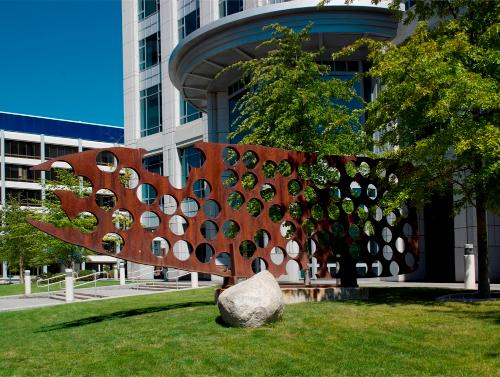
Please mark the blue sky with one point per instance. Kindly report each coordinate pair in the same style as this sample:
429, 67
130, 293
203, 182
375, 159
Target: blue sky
62, 59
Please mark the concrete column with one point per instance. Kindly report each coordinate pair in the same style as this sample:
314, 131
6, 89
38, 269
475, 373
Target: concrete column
70, 285
5, 266
115, 272
122, 273
83, 266
469, 267
314, 266
44, 269
194, 280
27, 282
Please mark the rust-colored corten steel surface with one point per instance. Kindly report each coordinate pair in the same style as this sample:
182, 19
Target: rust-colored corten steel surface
242, 209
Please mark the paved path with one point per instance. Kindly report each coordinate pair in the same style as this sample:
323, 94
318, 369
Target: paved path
37, 300
41, 300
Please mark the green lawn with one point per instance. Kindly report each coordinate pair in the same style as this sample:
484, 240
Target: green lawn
399, 332
18, 289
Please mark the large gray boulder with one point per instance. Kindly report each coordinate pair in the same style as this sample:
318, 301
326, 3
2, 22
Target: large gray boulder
253, 302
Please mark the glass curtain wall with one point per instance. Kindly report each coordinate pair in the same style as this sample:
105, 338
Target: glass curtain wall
151, 119
147, 7
188, 16
188, 112
149, 51
227, 7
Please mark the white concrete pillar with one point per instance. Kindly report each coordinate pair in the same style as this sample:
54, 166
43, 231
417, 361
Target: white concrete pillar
70, 285
27, 282
314, 267
5, 266
115, 272
83, 266
122, 273
194, 280
44, 269
469, 267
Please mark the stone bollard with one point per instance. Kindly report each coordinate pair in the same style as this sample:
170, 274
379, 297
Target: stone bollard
469, 267
70, 285
122, 273
194, 280
27, 282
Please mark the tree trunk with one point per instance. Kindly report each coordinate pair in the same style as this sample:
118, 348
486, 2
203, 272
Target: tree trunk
21, 269
482, 249
348, 274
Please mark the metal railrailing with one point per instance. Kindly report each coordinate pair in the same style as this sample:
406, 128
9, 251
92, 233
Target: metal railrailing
48, 283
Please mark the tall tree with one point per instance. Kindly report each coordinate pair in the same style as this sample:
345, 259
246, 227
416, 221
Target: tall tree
293, 102
440, 107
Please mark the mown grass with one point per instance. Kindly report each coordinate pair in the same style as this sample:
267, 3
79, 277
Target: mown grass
398, 332
18, 289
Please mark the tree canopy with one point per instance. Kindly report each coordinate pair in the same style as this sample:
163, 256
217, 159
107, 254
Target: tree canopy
293, 102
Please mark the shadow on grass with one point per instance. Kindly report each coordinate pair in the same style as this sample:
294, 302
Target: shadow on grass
122, 314
221, 322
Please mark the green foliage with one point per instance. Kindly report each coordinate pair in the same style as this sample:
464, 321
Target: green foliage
269, 169
248, 181
21, 244
441, 100
310, 194
295, 210
288, 101
254, 207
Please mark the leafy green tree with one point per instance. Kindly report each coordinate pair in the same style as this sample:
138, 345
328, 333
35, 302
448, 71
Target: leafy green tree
21, 244
440, 107
292, 102
59, 251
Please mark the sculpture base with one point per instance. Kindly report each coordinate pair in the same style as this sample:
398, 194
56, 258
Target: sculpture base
296, 293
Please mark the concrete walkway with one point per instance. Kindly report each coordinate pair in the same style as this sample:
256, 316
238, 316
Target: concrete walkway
38, 300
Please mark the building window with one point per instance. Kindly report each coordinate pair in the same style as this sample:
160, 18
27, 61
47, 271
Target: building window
190, 158
188, 112
54, 150
149, 51
21, 173
154, 164
25, 197
147, 8
409, 4
23, 149
151, 110
227, 7
188, 15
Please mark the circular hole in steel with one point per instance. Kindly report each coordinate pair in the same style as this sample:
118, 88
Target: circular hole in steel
112, 243
150, 221
146, 193
129, 178
247, 249
230, 229
182, 250
201, 188
211, 209
159, 247
204, 252
106, 161
209, 230
122, 219
168, 204
189, 207
177, 225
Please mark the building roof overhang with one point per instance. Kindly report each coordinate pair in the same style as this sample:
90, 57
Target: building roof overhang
196, 62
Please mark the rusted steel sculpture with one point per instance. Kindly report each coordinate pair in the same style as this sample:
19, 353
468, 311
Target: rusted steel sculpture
243, 209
